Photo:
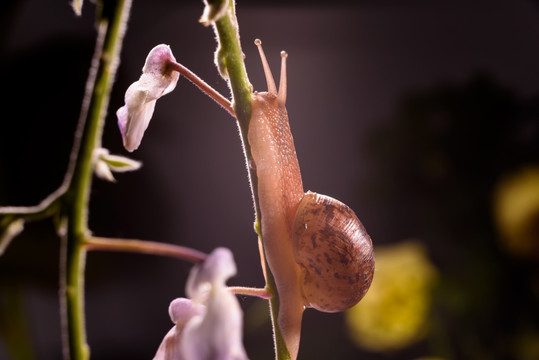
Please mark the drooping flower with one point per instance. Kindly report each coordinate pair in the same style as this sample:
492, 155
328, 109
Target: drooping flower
216, 332
157, 79
181, 310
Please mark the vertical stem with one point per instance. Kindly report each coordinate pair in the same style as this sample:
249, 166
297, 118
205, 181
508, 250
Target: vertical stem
230, 55
112, 18
230, 52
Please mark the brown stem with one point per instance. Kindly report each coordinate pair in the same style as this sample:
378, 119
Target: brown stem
145, 247
241, 290
205, 88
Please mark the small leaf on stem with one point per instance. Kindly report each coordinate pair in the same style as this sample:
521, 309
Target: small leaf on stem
105, 164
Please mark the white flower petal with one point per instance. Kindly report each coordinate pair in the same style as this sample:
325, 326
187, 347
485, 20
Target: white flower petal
181, 311
210, 325
215, 270
170, 346
157, 79
218, 334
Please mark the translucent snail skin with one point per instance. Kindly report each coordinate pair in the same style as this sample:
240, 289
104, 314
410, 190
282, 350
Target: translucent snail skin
318, 251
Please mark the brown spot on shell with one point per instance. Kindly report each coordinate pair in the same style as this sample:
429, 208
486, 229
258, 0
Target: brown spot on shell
331, 244
313, 241
328, 258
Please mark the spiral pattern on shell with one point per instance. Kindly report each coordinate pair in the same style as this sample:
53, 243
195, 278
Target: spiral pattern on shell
334, 251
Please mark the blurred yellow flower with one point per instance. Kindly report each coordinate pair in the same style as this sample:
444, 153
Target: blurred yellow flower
394, 313
516, 204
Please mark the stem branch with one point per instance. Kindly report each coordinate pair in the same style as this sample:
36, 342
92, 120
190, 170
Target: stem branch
111, 23
241, 290
145, 247
204, 87
230, 56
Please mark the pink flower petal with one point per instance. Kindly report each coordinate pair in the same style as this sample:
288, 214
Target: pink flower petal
157, 79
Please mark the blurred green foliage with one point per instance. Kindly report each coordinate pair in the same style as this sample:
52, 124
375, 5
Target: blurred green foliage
446, 171
395, 312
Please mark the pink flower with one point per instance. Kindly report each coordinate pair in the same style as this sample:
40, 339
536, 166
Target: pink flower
181, 310
157, 79
217, 331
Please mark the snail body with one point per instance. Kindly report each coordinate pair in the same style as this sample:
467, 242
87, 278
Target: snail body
318, 251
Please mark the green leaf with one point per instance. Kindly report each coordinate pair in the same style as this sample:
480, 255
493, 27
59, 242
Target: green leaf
105, 164
119, 163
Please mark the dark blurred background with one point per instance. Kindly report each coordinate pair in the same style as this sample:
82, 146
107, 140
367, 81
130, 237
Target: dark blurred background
422, 116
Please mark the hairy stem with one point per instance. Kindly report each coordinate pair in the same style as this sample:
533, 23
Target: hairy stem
230, 60
111, 28
231, 56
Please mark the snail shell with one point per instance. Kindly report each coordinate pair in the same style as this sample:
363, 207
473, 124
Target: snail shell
334, 251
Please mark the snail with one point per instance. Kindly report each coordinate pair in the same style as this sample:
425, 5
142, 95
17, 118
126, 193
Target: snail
319, 253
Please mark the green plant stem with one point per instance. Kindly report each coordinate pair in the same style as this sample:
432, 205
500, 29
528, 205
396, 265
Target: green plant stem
230, 56
111, 28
